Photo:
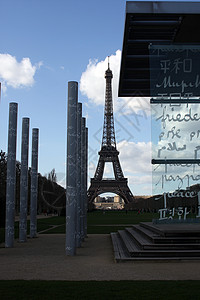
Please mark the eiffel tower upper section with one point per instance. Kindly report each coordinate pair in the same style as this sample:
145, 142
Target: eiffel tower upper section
108, 140
108, 151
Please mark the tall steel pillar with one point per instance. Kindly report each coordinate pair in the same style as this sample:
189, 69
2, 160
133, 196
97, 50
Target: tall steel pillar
24, 181
11, 176
71, 184
78, 226
34, 183
86, 175
83, 142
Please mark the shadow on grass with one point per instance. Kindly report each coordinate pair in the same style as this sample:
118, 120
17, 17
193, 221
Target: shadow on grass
23, 290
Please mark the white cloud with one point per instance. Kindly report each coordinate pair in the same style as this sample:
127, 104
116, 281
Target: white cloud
17, 74
92, 81
135, 157
92, 85
145, 180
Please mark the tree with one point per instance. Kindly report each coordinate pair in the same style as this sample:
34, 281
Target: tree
51, 196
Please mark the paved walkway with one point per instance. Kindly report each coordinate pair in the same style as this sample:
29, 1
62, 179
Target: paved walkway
44, 258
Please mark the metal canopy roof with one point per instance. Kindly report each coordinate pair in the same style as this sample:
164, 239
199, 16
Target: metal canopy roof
157, 23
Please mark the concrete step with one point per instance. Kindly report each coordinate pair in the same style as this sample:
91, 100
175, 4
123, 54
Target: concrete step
120, 252
159, 243
134, 249
138, 238
146, 233
145, 244
128, 242
174, 230
157, 259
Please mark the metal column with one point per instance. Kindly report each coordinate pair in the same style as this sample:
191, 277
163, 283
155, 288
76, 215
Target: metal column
83, 140
24, 181
86, 175
71, 184
78, 227
11, 176
34, 183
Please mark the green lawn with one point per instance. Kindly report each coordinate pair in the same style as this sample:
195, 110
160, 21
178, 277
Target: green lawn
137, 290
99, 222
118, 217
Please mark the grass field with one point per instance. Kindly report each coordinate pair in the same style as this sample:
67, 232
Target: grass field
99, 222
118, 217
137, 290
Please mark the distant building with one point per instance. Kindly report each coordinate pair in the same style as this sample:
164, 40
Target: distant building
115, 202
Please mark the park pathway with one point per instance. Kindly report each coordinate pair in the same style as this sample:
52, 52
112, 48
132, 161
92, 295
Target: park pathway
44, 258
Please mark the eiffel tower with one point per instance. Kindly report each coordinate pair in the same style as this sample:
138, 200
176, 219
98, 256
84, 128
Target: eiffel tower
109, 153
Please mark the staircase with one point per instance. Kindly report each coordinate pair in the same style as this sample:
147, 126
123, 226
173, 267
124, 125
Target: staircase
148, 241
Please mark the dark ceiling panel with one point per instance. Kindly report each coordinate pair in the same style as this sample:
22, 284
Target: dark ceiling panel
157, 23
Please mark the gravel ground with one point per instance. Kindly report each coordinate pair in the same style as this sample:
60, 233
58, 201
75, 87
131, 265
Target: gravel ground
44, 258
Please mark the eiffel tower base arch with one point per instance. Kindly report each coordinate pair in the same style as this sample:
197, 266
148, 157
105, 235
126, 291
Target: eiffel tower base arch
119, 187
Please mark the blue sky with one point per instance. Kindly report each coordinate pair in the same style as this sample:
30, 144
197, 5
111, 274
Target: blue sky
45, 44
